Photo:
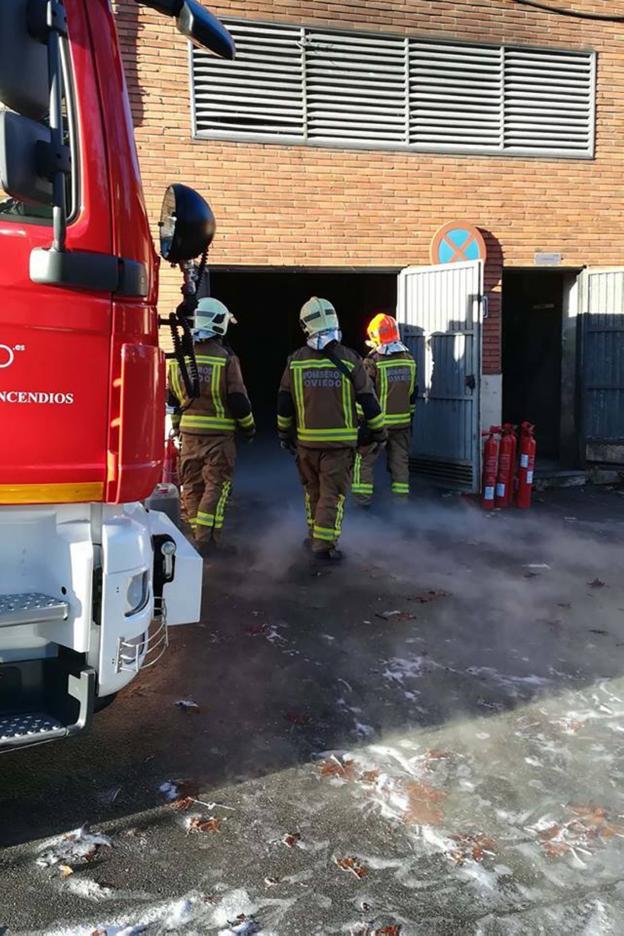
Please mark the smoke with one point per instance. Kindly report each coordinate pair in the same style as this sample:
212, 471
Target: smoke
493, 607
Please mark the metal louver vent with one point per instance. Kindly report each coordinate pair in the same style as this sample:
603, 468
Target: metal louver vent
333, 88
455, 96
548, 101
261, 92
355, 88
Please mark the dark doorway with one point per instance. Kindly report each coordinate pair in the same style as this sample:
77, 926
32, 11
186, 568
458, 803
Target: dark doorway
267, 308
532, 346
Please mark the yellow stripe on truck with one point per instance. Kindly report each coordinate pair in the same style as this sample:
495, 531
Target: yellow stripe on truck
78, 493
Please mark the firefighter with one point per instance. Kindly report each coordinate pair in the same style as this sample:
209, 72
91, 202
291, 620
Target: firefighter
208, 423
392, 370
317, 419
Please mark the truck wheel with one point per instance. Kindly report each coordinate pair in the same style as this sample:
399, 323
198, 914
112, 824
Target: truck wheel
103, 702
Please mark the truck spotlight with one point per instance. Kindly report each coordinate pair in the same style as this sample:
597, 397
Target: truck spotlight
187, 224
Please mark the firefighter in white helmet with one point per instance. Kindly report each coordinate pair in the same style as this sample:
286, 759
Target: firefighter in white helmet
317, 418
208, 423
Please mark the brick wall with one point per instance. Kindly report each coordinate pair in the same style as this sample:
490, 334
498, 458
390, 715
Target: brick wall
279, 205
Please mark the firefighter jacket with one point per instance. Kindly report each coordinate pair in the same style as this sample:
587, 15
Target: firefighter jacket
223, 404
394, 379
317, 402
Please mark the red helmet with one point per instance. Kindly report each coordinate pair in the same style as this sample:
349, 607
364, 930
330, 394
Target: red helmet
383, 330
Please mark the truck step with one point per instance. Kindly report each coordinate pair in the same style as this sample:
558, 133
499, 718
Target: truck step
27, 725
31, 608
44, 700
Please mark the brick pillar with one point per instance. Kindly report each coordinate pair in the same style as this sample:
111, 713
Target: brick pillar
492, 378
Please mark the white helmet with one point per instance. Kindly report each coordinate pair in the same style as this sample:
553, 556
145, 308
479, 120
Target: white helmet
212, 316
318, 315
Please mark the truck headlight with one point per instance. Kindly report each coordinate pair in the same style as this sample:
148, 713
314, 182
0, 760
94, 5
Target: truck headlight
138, 592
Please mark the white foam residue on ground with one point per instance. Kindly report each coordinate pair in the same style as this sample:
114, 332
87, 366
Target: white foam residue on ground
399, 669
88, 889
235, 904
73, 848
179, 914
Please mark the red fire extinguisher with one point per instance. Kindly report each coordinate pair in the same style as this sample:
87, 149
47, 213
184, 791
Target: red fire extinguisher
506, 466
528, 447
490, 466
170, 464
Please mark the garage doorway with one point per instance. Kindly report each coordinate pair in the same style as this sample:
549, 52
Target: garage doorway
535, 314
267, 304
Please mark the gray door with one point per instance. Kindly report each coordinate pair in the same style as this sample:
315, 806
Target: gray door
439, 309
601, 309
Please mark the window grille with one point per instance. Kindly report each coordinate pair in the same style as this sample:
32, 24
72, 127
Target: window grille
293, 84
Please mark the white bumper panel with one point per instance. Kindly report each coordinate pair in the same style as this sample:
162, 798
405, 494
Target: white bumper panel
126, 554
49, 550
183, 595
53, 550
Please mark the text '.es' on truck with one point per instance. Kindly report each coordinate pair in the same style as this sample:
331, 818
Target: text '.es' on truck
89, 577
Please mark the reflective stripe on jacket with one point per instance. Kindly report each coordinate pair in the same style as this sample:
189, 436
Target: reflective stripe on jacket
318, 401
394, 378
223, 403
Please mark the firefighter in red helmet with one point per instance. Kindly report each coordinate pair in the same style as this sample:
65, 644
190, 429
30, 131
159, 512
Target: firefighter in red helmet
392, 370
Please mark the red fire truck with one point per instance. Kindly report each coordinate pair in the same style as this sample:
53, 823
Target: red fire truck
90, 578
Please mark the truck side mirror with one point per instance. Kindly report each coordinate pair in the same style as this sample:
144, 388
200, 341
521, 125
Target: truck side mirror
187, 224
25, 147
24, 80
205, 30
195, 22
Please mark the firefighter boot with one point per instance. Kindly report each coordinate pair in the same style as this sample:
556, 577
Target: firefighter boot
327, 556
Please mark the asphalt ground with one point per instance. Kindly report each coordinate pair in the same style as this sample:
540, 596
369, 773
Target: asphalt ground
427, 740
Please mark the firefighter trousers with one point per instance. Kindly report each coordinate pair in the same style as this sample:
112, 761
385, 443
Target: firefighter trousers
206, 470
326, 478
397, 454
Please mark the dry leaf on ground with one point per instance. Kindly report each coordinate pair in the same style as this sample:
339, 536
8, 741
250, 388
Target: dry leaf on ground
291, 839
476, 847
369, 777
201, 824
184, 803
422, 804
589, 828
334, 767
353, 865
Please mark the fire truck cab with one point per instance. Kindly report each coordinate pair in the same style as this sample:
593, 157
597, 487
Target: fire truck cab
89, 577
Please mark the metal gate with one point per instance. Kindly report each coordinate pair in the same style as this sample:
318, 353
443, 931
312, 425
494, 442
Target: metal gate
601, 310
439, 309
